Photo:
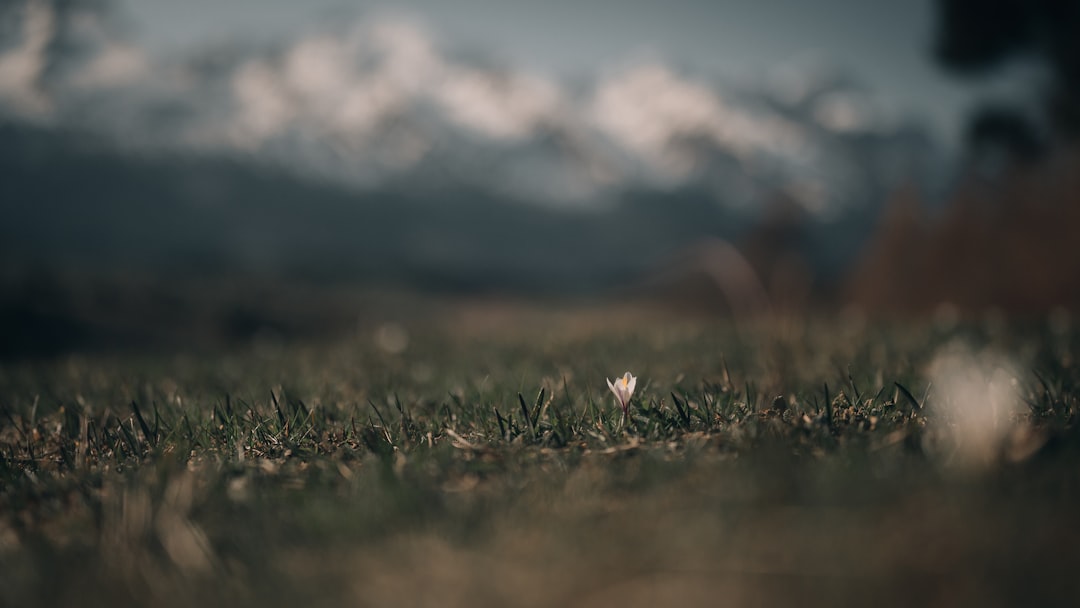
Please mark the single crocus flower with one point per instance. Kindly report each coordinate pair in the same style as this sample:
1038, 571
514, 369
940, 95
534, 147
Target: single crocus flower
623, 388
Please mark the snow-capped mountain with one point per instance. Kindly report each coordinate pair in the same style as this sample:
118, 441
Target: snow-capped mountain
381, 105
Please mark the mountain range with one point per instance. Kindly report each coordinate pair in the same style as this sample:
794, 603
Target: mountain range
372, 150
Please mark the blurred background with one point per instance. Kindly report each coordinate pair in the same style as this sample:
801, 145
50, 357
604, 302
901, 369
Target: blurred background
212, 173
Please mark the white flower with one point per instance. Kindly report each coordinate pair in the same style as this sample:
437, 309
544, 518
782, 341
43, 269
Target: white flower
623, 388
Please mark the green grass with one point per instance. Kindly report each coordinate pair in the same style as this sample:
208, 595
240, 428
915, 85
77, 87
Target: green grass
488, 465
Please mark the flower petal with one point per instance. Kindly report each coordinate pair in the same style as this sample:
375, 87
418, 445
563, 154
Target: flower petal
630, 386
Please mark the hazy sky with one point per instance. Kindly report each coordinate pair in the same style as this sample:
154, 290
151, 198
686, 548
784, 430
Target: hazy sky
885, 44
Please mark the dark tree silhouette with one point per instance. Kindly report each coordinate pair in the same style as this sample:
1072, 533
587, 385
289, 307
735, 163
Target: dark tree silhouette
976, 36
998, 132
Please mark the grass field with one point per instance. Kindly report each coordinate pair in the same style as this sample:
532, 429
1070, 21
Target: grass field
480, 460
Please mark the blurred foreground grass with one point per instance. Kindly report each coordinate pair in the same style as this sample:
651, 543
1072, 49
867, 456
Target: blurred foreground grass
480, 461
